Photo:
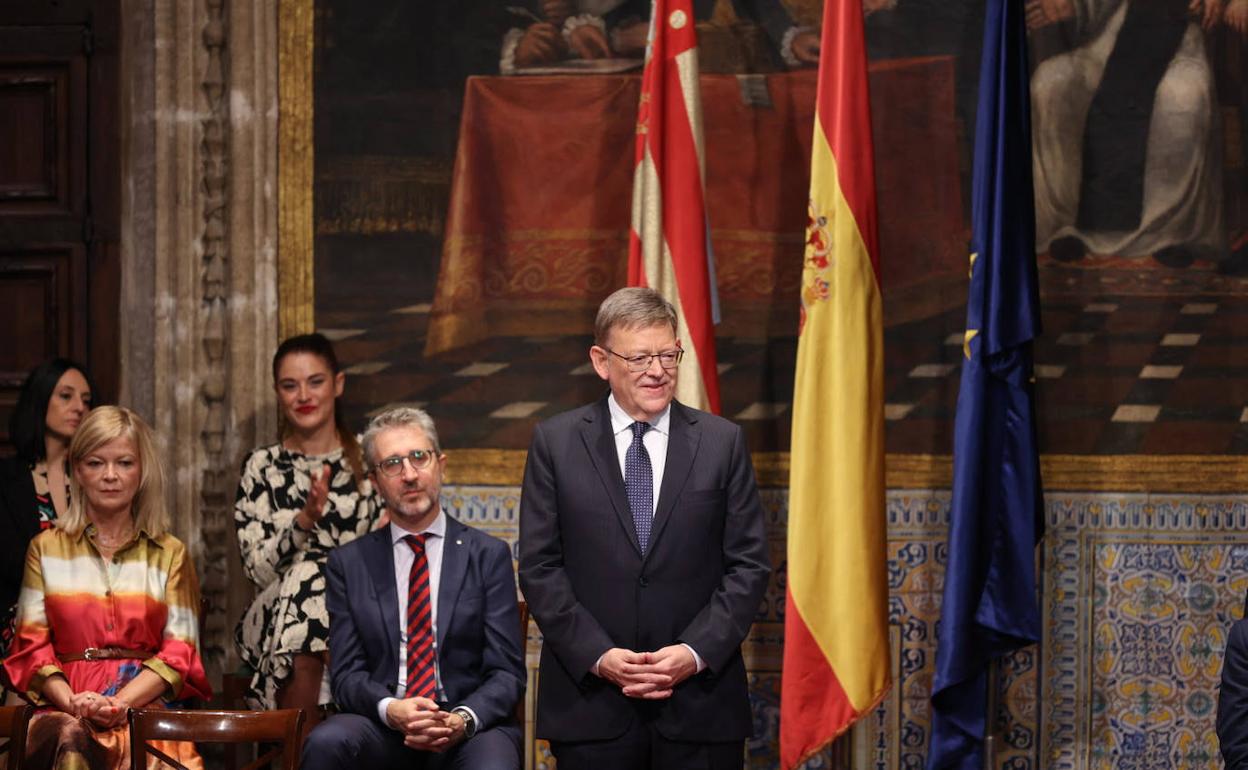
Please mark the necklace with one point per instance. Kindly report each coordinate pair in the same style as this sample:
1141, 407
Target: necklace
110, 542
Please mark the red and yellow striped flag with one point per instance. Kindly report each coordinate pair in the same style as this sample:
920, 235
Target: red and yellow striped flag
836, 659
669, 245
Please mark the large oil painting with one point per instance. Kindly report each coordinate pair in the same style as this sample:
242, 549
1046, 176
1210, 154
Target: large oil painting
472, 182
470, 173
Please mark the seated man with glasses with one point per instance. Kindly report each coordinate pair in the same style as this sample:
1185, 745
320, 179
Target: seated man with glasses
426, 657
643, 557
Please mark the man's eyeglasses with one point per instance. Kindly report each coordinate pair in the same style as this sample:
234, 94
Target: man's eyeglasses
668, 359
419, 458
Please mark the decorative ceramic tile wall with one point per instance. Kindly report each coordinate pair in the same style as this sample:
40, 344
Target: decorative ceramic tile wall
1139, 592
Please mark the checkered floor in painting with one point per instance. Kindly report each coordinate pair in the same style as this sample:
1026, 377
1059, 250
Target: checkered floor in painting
1120, 375
1116, 374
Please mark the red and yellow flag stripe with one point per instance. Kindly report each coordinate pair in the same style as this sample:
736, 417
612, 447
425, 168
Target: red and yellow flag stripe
836, 657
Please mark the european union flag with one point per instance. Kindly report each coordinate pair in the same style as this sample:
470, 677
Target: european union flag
989, 606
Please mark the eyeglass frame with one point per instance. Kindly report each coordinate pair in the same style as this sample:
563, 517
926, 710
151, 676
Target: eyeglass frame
405, 459
630, 362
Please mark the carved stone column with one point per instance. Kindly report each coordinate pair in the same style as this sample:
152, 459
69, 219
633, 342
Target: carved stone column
252, 304
199, 315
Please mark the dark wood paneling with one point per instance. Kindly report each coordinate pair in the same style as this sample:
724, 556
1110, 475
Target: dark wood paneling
34, 166
29, 13
41, 294
59, 190
37, 303
43, 121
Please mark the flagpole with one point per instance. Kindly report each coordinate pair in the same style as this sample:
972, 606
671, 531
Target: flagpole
990, 717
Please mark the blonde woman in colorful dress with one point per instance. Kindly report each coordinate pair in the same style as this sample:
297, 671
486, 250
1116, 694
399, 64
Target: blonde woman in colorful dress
107, 618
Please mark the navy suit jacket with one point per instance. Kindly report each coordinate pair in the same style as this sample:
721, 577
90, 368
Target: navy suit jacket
480, 651
590, 588
1233, 699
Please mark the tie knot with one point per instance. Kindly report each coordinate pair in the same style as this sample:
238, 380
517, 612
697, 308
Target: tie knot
639, 430
417, 542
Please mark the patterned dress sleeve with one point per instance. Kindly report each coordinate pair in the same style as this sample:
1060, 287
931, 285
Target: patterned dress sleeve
31, 657
369, 506
368, 509
266, 543
177, 661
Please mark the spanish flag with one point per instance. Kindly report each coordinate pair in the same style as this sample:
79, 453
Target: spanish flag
836, 657
669, 244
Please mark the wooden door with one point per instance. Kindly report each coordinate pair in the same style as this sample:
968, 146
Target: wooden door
59, 184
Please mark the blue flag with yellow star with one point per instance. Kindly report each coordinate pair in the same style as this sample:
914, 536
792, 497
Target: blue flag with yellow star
989, 606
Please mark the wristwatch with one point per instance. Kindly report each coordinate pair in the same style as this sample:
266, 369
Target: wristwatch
470, 724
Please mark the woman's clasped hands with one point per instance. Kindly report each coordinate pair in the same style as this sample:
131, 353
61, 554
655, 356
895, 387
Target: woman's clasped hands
103, 711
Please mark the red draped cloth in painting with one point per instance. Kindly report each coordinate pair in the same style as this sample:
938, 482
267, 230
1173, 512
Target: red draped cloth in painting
537, 229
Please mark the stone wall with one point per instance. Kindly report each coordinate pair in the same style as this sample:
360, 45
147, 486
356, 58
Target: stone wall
199, 250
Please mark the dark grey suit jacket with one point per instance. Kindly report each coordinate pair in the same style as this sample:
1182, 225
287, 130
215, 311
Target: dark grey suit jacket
1232, 722
480, 652
590, 589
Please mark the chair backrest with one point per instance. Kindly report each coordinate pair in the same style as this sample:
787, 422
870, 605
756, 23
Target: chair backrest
524, 656
281, 727
13, 722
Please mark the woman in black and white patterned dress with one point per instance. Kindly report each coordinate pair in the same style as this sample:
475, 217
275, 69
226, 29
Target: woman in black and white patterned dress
297, 500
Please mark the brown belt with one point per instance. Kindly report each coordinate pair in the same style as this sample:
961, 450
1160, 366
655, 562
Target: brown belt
106, 653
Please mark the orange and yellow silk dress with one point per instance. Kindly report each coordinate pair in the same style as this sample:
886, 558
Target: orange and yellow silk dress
142, 603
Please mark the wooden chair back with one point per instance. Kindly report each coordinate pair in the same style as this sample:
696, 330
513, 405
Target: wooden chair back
281, 727
13, 723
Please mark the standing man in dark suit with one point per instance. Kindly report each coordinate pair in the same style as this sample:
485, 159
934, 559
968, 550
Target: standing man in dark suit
643, 558
424, 629
1232, 724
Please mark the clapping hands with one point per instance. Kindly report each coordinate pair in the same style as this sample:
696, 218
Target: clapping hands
314, 507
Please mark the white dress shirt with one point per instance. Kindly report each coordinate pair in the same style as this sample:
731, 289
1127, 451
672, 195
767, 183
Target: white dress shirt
654, 440
435, 539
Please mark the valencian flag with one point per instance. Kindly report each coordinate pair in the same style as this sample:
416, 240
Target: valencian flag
836, 660
989, 606
669, 245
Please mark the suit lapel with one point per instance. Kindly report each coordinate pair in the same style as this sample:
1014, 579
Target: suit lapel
451, 579
600, 445
682, 447
381, 570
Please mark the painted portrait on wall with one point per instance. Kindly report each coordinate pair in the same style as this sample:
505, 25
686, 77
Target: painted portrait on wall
471, 177
468, 221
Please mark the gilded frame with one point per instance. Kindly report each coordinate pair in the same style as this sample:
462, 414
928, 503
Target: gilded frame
295, 165
1195, 474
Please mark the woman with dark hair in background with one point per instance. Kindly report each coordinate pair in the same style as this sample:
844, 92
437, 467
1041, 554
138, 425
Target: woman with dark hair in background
297, 500
34, 485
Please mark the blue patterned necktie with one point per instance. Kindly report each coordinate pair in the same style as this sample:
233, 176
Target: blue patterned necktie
639, 484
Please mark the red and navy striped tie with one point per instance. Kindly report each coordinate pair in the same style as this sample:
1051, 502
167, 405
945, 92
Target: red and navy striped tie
420, 668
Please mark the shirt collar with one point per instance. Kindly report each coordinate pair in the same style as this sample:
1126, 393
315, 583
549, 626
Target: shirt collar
89, 530
437, 529
620, 421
